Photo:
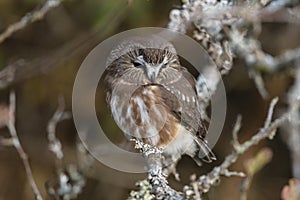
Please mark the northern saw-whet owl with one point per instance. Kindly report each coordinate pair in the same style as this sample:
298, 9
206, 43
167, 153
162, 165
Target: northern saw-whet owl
154, 99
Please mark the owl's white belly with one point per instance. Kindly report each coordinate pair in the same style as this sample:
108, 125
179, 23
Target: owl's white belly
183, 143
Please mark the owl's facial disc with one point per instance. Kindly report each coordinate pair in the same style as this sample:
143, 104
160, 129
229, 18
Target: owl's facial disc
151, 70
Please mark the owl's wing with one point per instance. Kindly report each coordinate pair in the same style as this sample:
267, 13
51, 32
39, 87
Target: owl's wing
181, 98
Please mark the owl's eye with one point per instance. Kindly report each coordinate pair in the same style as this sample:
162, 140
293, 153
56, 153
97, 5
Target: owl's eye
136, 63
164, 65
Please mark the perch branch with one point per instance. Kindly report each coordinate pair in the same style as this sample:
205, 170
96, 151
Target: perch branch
156, 178
29, 18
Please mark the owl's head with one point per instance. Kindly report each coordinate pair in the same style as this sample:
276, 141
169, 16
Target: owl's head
146, 61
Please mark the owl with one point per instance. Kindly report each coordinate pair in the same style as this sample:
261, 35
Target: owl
153, 98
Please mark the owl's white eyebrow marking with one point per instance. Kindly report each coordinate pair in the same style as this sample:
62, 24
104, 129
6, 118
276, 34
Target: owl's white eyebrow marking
172, 60
188, 99
183, 97
167, 88
165, 61
140, 58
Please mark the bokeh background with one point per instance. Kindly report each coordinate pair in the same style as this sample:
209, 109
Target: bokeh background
54, 49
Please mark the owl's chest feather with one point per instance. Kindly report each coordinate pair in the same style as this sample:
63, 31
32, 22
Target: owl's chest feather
144, 115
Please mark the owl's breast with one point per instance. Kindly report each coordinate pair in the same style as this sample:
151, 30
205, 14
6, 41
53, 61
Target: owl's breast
141, 112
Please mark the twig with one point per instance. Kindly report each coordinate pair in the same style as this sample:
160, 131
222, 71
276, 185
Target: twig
29, 18
205, 182
16, 143
59, 115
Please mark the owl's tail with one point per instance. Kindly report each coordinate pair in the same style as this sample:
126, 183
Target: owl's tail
204, 153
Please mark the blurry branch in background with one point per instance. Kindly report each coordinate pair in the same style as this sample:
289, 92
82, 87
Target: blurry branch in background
158, 185
69, 181
252, 166
54, 144
23, 69
29, 18
292, 138
291, 191
14, 141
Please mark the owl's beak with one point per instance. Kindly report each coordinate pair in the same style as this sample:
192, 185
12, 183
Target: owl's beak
152, 72
152, 78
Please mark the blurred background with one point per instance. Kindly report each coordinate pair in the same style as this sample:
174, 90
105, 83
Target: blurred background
50, 52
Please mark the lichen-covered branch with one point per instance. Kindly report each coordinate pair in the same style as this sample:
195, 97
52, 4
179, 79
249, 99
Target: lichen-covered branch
222, 27
29, 18
158, 181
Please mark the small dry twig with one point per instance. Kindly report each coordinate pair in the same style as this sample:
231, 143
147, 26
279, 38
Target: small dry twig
59, 115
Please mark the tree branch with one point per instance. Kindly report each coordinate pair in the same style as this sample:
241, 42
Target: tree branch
157, 180
16, 143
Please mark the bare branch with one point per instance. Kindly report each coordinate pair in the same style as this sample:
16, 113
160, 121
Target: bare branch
29, 18
23, 69
16, 143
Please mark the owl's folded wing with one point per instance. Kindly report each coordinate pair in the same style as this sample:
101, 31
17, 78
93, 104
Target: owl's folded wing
181, 99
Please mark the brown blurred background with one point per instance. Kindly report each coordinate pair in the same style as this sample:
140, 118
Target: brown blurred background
57, 45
